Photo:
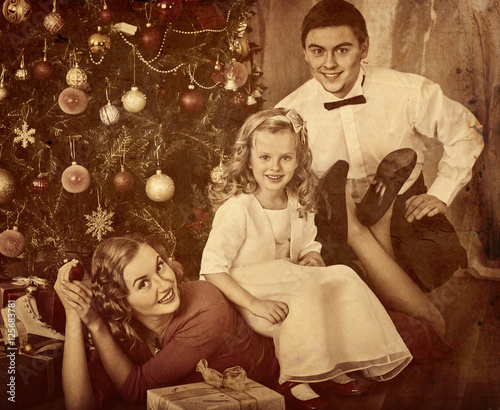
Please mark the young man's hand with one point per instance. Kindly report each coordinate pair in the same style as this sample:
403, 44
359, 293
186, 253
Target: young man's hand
421, 205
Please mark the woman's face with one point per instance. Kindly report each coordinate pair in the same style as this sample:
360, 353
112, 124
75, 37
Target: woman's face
152, 285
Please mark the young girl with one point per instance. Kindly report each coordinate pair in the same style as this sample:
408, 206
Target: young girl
326, 323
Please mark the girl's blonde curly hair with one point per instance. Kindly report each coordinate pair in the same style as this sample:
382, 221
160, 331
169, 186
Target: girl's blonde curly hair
238, 177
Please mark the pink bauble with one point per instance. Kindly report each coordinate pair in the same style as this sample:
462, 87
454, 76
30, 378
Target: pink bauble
151, 38
53, 22
169, 10
12, 243
43, 70
192, 101
123, 181
73, 101
75, 179
106, 15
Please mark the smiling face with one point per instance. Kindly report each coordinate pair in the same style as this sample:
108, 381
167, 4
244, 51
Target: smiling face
334, 55
273, 160
152, 286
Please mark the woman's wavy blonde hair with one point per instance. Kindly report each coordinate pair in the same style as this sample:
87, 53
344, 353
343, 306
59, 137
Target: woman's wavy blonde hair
238, 177
110, 291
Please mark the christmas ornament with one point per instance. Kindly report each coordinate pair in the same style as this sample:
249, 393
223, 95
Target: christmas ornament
39, 185
21, 73
76, 273
201, 217
238, 98
3, 92
236, 75
16, 11
192, 100
160, 187
109, 114
99, 43
24, 135
12, 243
240, 47
134, 101
99, 223
28, 349
169, 10
76, 77
217, 172
75, 179
150, 38
123, 180
43, 70
31, 290
53, 21
106, 14
7, 186
73, 101
251, 100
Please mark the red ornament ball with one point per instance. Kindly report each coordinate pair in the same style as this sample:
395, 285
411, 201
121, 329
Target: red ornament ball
39, 185
53, 22
7, 186
75, 179
123, 181
77, 272
192, 101
169, 10
73, 101
106, 15
12, 243
151, 38
43, 70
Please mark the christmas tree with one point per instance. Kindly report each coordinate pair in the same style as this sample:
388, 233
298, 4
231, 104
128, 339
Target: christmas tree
115, 116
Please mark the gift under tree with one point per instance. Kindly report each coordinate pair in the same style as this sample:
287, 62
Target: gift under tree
115, 116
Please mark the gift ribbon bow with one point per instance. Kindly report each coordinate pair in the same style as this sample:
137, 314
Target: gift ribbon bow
23, 281
233, 377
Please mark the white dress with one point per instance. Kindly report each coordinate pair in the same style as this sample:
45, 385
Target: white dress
335, 324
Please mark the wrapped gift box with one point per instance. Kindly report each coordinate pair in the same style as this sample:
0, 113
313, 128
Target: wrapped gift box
37, 378
201, 395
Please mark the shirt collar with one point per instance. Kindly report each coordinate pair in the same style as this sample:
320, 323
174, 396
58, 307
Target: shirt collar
356, 90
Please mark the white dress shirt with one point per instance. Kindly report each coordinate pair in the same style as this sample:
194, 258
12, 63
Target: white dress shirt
401, 110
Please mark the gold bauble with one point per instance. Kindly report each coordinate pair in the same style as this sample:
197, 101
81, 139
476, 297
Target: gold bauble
160, 187
134, 101
99, 43
216, 174
16, 11
4, 92
76, 78
241, 47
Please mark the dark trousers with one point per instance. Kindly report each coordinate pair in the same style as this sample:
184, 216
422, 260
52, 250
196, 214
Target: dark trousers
428, 250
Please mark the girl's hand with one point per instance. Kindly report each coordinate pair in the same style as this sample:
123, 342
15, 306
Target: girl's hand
271, 310
311, 259
75, 296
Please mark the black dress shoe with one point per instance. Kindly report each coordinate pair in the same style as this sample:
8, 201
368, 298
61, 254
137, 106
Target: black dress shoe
391, 175
285, 389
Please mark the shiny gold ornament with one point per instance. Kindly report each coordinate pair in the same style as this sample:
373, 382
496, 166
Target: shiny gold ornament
160, 187
134, 101
53, 22
16, 11
21, 73
76, 77
241, 47
31, 290
99, 43
216, 174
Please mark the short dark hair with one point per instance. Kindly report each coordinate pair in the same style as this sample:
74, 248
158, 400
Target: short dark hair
328, 13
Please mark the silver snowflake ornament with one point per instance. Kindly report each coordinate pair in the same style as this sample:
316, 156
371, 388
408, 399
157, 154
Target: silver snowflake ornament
100, 223
24, 135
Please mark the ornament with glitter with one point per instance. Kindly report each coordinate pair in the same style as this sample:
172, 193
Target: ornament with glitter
24, 135
100, 222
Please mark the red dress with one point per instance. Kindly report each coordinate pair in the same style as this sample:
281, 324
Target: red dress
206, 326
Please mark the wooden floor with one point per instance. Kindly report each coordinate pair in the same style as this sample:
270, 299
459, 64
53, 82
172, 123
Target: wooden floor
470, 379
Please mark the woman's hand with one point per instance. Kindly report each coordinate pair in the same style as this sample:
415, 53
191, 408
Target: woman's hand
311, 259
75, 296
271, 310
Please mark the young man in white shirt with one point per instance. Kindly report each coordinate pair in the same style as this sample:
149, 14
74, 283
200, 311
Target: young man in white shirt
386, 111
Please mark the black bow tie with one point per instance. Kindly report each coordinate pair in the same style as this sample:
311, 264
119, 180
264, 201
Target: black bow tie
359, 99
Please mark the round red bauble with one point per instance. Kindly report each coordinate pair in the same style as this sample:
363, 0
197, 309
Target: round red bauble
169, 10
106, 15
12, 243
151, 38
123, 181
76, 273
39, 185
73, 101
43, 70
75, 178
192, 101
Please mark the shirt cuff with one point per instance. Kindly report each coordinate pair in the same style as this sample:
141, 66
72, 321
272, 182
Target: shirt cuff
444, 189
